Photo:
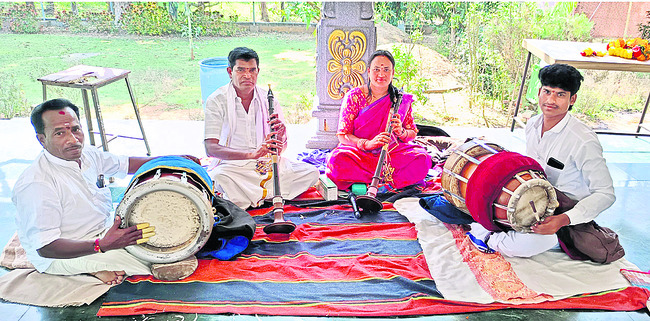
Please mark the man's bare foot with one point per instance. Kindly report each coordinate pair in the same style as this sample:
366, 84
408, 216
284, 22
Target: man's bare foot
110, 277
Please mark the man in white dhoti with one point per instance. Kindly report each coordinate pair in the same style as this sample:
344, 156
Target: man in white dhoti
64, 210
239, 133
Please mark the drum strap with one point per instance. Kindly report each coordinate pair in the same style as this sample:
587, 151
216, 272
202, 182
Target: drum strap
175, 164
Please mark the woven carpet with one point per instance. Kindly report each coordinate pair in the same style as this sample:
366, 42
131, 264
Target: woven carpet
332, 265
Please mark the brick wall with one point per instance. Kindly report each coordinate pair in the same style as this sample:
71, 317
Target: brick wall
610, 18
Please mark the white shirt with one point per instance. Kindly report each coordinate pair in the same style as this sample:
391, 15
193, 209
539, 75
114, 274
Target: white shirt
57, 199
244, 136
221, 115
226, 120
585, 176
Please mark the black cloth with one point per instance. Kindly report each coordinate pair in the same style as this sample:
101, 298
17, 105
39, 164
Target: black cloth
426, 130
230, 221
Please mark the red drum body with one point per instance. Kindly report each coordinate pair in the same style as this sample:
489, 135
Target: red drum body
501, 190
460, 166
177, 206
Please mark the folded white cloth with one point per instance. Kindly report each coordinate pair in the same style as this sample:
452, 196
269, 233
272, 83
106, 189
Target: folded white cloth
551, 274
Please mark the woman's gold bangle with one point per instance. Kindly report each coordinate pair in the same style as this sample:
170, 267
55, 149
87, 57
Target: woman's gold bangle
361, 144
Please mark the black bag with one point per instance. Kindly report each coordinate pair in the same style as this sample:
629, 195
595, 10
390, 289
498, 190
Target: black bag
587, 241
427, 130
230, 221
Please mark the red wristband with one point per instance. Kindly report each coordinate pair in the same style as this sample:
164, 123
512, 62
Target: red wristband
97, 248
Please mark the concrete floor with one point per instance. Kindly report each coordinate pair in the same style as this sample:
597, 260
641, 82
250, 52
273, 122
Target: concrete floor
628, 159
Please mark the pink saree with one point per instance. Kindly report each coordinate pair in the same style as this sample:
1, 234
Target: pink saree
406, 164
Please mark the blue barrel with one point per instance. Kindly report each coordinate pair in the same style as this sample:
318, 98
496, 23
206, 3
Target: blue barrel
213, 75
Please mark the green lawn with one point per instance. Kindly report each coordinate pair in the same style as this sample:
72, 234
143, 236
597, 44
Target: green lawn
162, 72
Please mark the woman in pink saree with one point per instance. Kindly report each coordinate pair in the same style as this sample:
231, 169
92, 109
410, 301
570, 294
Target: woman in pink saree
362, 122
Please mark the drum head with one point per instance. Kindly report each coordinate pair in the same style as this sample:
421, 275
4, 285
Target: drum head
180, 213
532, 201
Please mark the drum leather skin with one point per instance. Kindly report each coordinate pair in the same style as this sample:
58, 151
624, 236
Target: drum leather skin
177, 203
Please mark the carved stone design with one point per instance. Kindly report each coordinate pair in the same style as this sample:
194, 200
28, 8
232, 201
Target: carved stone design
346, 38
346, 49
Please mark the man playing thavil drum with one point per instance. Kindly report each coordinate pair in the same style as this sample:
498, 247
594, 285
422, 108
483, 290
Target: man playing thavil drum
63, 207
237, 133
572, 158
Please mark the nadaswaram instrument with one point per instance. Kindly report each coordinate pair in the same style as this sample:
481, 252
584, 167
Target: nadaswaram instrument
279, 225
369, 202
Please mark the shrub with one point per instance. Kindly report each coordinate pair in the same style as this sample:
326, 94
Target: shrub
644, 28
101, 21
210, 23
407, 70
492, 56
148, 19
305, 11
300, 113
13, 102
23, 19
561, 24
71, 20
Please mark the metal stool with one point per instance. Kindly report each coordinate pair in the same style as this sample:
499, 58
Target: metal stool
90, 78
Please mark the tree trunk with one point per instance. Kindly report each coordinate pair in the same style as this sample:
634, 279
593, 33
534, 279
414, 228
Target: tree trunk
284, 17
49, 9
118, 8
73, 8
172, 7
264, 12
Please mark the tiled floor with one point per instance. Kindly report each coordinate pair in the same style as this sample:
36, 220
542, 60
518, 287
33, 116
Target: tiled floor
628, 160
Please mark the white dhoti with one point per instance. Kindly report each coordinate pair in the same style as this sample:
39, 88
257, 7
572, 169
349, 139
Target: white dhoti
516, 244
243, 183
114, 260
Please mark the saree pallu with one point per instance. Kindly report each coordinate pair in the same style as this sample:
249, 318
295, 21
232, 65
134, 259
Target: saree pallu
405, 164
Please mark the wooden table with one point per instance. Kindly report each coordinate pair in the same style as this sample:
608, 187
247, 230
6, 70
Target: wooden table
91, 78
568, 52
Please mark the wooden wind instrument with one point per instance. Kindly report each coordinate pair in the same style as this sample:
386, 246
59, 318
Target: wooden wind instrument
279, 225
369, 202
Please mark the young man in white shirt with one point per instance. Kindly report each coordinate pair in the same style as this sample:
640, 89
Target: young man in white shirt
63, 211
572, 158
237, 134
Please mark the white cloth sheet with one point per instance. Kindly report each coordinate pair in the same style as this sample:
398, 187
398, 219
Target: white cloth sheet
53, 290
552, 272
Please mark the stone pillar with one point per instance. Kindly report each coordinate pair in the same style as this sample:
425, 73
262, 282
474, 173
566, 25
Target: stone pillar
346, 38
